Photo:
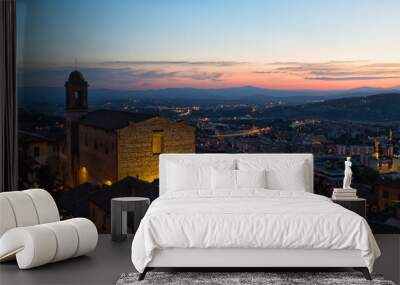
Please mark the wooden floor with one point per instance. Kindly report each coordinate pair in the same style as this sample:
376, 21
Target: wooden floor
103, 266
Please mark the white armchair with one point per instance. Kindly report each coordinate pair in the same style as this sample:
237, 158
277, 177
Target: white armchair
31, 230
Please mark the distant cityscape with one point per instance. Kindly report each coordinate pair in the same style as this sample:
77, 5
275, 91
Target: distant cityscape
85, 158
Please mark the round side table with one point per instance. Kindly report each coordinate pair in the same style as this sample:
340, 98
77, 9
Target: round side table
119, 209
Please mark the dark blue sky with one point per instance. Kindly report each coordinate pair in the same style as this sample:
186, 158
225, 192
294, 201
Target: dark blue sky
313, 44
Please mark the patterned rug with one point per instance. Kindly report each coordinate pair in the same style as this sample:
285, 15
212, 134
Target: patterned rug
243, 278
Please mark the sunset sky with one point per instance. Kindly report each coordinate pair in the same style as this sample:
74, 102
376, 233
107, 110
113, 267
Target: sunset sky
150, 44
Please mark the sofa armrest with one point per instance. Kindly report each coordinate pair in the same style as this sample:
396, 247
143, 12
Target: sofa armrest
41, 244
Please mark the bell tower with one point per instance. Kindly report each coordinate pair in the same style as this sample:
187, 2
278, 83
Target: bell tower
76, 106
76, 89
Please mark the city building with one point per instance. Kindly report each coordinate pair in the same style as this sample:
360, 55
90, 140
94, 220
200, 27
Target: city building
388, 195
114, 144
41, 152
105, 146
396, 164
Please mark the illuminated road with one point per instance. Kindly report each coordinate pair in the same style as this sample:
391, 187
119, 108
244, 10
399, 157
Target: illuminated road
245, 133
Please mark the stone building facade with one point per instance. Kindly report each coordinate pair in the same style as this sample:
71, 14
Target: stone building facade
140, 143
40, 152
105, 146
128, 144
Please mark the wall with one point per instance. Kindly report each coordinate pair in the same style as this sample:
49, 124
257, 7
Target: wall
135, 153
43, 150
98, 155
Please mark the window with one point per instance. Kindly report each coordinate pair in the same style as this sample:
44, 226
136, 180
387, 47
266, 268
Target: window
36, 151
77, 96
158, 141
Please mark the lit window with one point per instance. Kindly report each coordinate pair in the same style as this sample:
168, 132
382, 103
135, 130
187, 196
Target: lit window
77, 96
108, 182
158, 142
83, 175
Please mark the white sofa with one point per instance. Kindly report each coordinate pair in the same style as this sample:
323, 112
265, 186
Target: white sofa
31, 230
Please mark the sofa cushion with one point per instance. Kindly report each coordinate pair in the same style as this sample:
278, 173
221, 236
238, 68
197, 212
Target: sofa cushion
41, 244
7, 220
45, 205
23, 208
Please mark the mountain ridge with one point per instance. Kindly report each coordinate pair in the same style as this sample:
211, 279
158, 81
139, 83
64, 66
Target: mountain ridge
52, 99
373, 108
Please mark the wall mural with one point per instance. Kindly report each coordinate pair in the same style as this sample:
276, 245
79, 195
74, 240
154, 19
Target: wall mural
104, 87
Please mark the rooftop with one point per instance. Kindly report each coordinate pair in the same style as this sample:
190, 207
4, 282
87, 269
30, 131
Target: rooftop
112, 120
76, 77
31, 137
76, 201
127, 187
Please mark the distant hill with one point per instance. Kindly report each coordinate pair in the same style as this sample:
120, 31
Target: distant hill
374, 108
52, 99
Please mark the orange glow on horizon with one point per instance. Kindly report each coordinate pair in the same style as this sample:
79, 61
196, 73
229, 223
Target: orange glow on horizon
296, 75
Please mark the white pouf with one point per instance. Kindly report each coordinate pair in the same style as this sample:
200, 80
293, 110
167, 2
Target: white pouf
31, 232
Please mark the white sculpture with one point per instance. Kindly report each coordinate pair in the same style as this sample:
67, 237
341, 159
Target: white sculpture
347, 174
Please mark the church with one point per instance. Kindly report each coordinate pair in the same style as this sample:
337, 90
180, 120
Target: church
105, 146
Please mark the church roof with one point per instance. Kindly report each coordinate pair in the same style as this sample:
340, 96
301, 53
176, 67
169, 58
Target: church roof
76, 76
111, 120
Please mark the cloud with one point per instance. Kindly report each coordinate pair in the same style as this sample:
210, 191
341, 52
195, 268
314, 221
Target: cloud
264, 72
202, 75
190, 63
385, 65
327, 62
100, 76
352, 78
335, 70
